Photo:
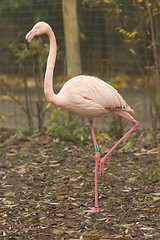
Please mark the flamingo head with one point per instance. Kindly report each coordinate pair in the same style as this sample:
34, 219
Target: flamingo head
38, 29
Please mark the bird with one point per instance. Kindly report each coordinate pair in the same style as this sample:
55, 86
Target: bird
87, 96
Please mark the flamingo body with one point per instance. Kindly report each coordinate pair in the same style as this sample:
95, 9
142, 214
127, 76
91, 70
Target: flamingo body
86, 96
91, 97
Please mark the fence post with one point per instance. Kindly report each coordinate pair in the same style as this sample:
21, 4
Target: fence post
71, 31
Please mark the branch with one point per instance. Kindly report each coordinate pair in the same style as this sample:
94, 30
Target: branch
153, 41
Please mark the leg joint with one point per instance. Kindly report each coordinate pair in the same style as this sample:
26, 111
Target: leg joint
135, 122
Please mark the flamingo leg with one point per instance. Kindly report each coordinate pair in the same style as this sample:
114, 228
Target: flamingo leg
136, 123
97, 156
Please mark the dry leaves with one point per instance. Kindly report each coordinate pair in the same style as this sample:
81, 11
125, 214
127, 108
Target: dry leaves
46, 184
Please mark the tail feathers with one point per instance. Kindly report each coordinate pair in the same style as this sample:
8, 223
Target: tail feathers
121, 109
126, 111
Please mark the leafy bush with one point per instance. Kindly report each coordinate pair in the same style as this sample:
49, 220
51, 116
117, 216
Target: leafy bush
65, 130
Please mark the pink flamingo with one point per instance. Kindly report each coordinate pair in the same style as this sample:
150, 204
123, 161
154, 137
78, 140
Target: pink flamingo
86, 96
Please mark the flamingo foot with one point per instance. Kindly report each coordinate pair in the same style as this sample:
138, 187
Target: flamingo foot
102, 162
95, 209
101, 169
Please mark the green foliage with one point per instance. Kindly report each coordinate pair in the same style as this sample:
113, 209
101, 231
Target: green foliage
63, 129
39, 55
20, 51
94, 3
3, 118
116, 127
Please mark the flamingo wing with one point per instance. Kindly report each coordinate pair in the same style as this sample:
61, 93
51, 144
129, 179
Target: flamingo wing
88, 95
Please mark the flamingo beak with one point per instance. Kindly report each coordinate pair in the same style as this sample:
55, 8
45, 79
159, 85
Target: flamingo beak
27, 43
30, 36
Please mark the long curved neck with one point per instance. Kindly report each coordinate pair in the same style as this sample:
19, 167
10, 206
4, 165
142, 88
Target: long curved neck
48, 80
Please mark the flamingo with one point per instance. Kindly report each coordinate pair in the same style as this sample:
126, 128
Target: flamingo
86, 96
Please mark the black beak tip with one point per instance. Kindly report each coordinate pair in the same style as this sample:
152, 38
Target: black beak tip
27, 44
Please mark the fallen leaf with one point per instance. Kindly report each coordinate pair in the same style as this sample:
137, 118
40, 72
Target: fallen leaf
128, 225
155, 199
102, 219
72, 179
71, 216
157, 194
107, 220
59, 214
54, 165
58, 232
7, 202
149, 235
147, 228
132, 179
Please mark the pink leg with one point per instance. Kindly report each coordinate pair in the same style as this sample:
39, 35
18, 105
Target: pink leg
136, 123
97, 156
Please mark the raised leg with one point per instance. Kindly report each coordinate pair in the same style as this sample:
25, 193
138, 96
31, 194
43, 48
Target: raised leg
97, 156
136, 123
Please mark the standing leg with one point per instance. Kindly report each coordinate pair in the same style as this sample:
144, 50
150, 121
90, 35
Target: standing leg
136, 123
97, 156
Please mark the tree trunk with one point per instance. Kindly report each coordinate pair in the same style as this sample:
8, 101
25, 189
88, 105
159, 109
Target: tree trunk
71, 31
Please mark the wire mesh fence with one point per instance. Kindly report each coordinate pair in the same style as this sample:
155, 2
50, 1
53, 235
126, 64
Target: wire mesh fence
117, 40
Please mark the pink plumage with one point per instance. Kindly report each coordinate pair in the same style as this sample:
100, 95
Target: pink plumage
86, 96
91, 97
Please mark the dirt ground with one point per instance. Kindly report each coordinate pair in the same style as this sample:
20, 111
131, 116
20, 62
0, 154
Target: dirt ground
46, 184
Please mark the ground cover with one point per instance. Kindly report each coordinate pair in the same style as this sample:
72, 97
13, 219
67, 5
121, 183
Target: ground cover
46, 184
